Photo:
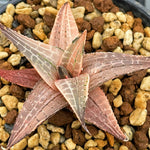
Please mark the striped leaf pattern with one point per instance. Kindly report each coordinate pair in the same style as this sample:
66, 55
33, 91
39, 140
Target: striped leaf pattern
75, 91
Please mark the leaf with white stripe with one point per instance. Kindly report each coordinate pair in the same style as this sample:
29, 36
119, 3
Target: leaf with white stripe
102, 66
40, 104
72, 58
42, 56
65, 29
75, 91
99, 113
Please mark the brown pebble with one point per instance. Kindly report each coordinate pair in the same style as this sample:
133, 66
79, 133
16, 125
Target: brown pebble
138, 26
144, 128
83, 24
97, 24
68, 132
117, 113
110, 97
129, 145
86, 4
124, 120
34, 2
110, 139
88, 47
26, 20
114, 9
148, 107
103, 5
57, 147
126, 109
92, 129
90, 35
140, 140
61, 118
78, 137
8, 51
36, 7
19, 28
6, 65
49, 19
11, 117
17, 91
110, 43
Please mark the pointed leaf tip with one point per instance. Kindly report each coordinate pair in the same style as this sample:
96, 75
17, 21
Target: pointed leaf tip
72, 58
75, 91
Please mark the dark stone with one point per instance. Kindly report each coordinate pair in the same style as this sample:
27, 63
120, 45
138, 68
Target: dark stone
8, 127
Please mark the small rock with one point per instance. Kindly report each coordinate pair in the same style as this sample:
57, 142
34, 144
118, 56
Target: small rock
26, 11
3, 55
138, 117
97, 24
129, 131
8, 127
147, 31
115, 86
70, 144
20, 145
128, 38
92, 15
34, 14
7, 20
33, 141
115, 24
121, 16
17, 91
101, 143
15, 24
20, 105
126, 109
87, 136
78, 12
90, 35
86, 4
83, 24
27, 32
61, 2
108, 33
13, 48
3, 111
49, 19
109, 17
10, 9
90, 143
76, 124
46, 29
97, 40
119, 33
38, 148
110, 43
110, 139
51, 10
55, 138
10, 101
61, 118
39, 32
26, 20
68, 132
14, 59
145, 85
141, 140
11, 116
92, 129
122, 147
118, 101
62, 139
103, 5
3, 40
55, 129
44, 136
78, 137
3, 135
100, 135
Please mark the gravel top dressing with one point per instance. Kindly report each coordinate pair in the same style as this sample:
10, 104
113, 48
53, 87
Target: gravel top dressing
109, 29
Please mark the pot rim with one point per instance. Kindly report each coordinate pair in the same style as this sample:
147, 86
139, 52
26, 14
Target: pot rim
128, 5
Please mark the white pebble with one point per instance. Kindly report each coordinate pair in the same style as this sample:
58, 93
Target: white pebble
55, 138
3, 111
145, 84
78, 12
76, 124
55, 129
4, 90
97, 40
128, 38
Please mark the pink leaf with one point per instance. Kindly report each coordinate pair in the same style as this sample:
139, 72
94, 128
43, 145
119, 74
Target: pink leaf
65, 29
105, 66
42, 56
73, 56
75, 91
99, 112
25, 77
41, 103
